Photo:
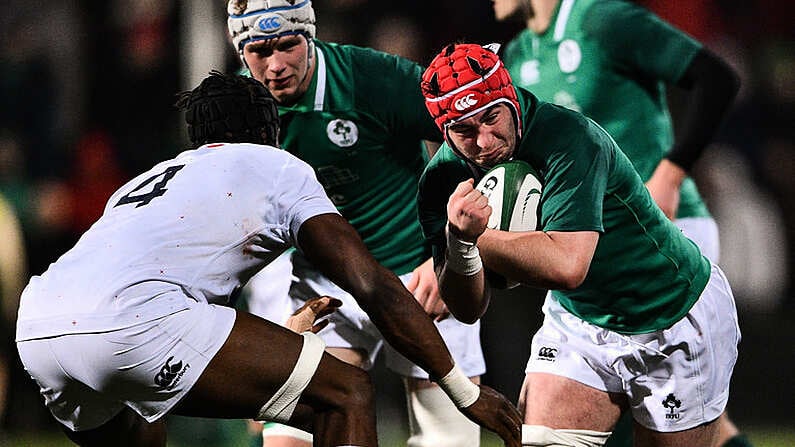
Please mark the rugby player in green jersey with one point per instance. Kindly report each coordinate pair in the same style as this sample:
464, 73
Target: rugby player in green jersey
612, 60
637, 319
357, 116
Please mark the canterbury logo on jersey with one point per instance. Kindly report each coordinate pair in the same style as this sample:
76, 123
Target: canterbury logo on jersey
547, 353
465, 102
169, 374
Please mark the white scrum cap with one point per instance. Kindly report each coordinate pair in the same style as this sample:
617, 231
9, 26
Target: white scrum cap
251, 20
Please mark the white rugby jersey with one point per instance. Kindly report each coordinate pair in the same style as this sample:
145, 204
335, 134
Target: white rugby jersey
199, 225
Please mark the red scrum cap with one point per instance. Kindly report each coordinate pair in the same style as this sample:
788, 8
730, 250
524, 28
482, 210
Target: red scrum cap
465, 79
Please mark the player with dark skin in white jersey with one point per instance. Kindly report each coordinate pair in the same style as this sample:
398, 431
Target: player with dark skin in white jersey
356, 115
134, 322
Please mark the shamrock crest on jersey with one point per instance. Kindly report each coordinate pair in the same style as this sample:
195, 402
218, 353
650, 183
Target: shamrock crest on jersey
343, 133
569, 56
529, 73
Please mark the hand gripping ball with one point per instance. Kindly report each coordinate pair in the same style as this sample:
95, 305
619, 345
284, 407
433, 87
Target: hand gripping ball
514, 192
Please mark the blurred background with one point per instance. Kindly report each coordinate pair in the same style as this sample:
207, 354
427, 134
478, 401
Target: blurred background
86, 101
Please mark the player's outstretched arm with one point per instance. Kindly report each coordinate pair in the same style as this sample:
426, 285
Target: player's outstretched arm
710, 85
335, 248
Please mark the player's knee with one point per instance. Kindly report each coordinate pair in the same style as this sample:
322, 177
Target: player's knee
540, 436
357, 389
282, 404
126, 429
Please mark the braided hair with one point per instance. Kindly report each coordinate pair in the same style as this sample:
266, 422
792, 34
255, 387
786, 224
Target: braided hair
230, 109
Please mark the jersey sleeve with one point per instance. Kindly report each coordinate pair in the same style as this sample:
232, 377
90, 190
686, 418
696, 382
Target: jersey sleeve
301, 196
436, 184
639, 41
389, 86
431, 208
576, 181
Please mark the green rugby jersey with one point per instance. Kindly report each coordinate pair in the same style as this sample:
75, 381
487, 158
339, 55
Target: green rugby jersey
360, 126
610, 60
645, 275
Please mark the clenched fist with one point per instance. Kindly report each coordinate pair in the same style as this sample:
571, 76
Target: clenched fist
468, 211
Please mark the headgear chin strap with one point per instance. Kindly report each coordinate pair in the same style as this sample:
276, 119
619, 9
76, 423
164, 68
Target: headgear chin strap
465, 79
265, 19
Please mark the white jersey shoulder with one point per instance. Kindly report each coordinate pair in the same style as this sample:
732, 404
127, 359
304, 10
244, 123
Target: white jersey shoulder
199, 224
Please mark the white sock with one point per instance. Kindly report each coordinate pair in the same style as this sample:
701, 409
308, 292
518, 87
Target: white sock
273, 429
436, 422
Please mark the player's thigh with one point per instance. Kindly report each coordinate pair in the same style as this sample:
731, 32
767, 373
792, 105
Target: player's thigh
569, 379
562, 403
126, 429
254, 362
351, 356
704, 435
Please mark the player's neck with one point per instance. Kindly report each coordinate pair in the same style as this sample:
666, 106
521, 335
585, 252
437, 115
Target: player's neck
541, 15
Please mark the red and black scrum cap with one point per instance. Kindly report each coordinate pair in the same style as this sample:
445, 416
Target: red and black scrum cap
465, 79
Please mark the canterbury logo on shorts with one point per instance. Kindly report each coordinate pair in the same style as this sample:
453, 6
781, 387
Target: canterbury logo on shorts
169, 374
547, 353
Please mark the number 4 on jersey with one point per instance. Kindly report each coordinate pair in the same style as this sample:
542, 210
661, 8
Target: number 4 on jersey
158, 189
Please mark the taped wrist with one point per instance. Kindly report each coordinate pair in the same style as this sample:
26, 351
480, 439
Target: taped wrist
461, 390
280, 407
462, 257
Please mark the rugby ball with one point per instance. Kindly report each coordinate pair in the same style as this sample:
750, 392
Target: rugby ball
514, 192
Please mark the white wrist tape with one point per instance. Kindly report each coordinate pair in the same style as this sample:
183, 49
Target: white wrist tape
281, 406
462, 257
461, 390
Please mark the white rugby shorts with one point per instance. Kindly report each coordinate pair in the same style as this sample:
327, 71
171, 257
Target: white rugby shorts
675, 379
350, 327
87, 379
704, 232
267, 293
